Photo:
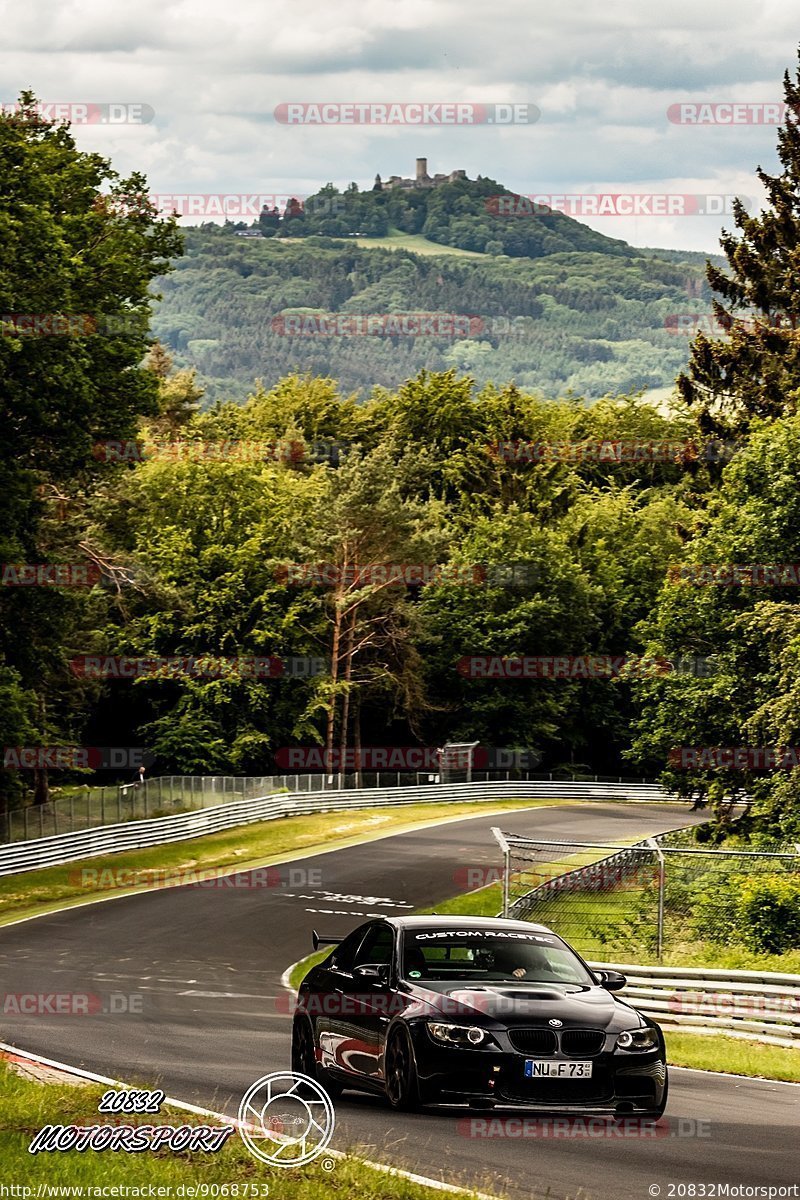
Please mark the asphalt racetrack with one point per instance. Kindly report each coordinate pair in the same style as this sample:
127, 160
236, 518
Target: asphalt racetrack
201, 968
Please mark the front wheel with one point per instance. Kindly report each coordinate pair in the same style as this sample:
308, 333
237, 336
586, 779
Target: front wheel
402, 1084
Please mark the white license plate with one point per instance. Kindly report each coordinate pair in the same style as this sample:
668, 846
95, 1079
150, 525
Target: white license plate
537, 1068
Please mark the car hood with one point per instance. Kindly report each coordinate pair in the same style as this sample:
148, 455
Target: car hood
532, 1004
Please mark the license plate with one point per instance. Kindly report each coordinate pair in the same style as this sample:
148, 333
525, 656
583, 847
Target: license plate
537, 1068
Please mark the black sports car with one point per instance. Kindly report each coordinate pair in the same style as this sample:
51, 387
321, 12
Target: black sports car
476, 1009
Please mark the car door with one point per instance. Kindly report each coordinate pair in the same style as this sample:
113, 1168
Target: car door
356, 1009
335, 1004
373, 976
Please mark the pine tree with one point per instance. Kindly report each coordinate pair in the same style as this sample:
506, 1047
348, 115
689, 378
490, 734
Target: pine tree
754, 370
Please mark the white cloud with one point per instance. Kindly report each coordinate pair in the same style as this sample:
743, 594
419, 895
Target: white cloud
603, 77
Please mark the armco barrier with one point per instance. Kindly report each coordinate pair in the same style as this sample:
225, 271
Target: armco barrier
136, 835
758, 1006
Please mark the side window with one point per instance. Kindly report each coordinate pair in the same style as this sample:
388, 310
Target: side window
343, 955
377, 946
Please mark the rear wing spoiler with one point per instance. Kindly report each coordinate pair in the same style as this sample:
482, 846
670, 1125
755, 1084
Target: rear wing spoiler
317, 941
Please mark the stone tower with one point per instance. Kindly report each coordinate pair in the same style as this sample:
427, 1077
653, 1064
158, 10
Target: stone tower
422, 170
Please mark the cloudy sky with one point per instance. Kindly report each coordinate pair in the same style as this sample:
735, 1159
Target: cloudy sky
603, 78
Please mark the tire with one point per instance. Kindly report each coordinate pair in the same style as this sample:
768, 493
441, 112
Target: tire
400, 1071
303, 1060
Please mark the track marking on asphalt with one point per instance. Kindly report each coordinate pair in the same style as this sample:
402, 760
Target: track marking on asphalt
343, 912
346, 844
224, 995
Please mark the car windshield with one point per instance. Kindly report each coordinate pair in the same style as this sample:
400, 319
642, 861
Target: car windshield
490, 956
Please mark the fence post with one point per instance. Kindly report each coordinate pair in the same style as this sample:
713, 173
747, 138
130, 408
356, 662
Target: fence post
662, 874
503, 844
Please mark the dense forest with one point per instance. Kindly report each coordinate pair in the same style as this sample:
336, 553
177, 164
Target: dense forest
581, 322
397, 536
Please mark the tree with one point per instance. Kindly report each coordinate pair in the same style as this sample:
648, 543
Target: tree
80, 248
755, 370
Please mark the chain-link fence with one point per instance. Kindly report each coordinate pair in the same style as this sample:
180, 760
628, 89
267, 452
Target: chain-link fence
652, 899
87, 808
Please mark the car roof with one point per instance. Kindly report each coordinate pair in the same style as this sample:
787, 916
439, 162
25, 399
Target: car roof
459, 921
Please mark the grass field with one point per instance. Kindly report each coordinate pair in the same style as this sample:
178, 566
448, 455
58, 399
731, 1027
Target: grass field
25, 1107
732, 1055
397, 240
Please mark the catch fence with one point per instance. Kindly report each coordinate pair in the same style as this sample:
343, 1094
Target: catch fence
653, 898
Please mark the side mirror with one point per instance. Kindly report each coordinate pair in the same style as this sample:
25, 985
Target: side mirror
377, 972
612, 981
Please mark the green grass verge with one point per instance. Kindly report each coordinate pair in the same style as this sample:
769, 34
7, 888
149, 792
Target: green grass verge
25, 1107
733, 1055
33, 892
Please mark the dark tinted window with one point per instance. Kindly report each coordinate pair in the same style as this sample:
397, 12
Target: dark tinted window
343, 954
377, 946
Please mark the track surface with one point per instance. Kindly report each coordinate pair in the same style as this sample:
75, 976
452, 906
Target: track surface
206, 964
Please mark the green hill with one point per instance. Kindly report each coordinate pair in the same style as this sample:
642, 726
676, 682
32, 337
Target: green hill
589, 322
466, 214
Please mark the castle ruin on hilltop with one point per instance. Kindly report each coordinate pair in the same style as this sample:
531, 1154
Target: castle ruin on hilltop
421, 180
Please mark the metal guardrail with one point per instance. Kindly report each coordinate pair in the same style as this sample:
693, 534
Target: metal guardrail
139, 834
166, 795
762, 1006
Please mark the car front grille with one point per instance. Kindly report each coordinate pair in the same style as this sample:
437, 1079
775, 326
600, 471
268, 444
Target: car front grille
598, 1090
578, 1043
533, 1041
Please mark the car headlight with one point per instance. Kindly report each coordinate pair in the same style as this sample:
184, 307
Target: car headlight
469, 1036
638, 1039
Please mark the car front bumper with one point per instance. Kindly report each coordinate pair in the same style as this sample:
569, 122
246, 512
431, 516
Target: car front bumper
620, 1082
